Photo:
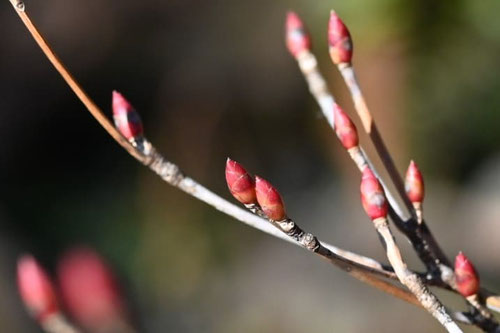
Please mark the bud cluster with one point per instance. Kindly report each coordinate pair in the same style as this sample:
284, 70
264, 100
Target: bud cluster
249, 192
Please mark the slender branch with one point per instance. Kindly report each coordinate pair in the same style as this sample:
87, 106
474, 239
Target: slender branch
370, 128
414, 228
308, 65
411, 280
423, 236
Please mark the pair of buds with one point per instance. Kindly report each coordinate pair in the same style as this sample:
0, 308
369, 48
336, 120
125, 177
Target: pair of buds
254, 192
339, 38
87, 286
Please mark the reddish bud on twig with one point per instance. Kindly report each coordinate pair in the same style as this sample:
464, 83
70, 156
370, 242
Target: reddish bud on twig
345, 128
127, 120
414, 183
36, 289
240, 183
269, 200
466, 276
90, 291
297, 37
339, 40
372, 195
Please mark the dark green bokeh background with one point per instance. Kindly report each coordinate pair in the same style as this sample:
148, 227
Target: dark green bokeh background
213, 79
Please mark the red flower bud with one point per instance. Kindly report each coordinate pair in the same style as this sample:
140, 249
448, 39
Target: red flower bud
372, 195
127, 120
345, 128
240, 183
466, 276
36, 289
297, 37
339, 40
414, 183
269, 200
90, 291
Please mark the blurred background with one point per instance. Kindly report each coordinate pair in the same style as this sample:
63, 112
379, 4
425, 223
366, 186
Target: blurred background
213, 79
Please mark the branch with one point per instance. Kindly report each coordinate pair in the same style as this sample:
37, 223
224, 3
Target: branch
376, 207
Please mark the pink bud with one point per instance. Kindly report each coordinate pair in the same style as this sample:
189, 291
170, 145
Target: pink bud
345, 128
466, 276
240, 183
372, 195
339, 40
297, 37
90, 290
269, 200
127, 120
414, 183
36, 289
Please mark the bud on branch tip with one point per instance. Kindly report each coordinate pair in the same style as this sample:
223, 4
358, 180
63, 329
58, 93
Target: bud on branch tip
414, 183
466, 276
339, 40
36, 289
127, 120
269, 200
345, 128
372, 195
240, 183
297, 37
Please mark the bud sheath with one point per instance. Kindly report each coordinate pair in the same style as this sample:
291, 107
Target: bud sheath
339, 40
269, 200
240, 183
372, 196
297, 37
127, 120
466, 276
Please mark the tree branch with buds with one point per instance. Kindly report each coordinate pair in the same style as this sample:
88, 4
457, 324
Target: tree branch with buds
265, 209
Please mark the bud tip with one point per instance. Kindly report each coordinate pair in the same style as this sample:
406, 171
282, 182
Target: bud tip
414, 183
466, 276
372, 195
126, 118
297, 37
339, 40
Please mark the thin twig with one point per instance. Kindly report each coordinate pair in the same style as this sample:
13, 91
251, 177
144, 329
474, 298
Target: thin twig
414, 228
411, 280
308, 65
370, 128
409, 226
